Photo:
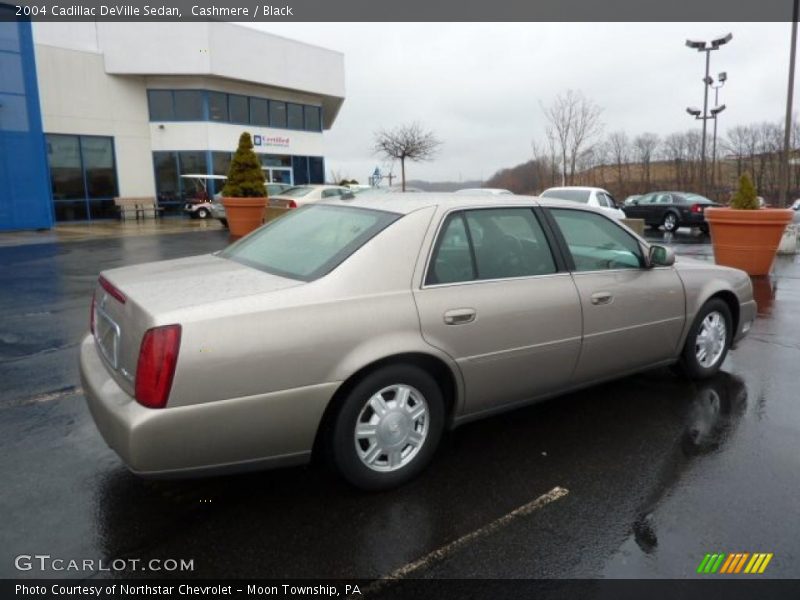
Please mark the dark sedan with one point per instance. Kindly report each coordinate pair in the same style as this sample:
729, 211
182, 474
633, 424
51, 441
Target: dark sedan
670, 210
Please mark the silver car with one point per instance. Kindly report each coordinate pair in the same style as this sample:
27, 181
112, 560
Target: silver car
361, 328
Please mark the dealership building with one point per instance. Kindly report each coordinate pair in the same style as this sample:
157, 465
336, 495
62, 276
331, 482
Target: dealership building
94, 111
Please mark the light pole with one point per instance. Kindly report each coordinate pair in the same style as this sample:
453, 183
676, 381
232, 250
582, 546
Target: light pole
787, 127
707, 48
721, 79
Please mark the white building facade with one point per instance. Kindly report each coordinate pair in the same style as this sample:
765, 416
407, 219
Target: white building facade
126, 109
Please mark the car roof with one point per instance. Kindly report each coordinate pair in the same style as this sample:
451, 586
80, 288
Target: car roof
405, 203
581, 188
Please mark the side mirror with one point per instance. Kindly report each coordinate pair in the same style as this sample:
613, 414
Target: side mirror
660, 256
635, 202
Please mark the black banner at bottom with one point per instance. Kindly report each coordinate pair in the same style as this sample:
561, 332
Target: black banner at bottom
386, 589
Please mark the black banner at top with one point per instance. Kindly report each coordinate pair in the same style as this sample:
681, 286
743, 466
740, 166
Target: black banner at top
402, 11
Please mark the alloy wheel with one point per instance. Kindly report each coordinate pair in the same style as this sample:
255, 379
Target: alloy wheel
391, 428
711, 339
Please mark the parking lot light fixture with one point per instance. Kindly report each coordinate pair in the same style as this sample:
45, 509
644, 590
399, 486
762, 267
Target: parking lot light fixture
702, 46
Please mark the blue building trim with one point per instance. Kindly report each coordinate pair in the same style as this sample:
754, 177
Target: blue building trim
24, 175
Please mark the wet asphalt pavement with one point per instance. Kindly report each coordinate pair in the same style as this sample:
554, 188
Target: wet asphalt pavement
659, 471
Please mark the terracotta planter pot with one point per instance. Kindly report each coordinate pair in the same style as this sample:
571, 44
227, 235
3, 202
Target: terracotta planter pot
244, 215
747, 239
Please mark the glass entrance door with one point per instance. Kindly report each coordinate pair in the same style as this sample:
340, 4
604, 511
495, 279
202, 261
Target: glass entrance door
279, 175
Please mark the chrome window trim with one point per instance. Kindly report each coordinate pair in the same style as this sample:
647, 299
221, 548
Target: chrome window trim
474, 281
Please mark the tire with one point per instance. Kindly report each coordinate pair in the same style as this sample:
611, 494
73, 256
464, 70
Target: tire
383, 455
202, 213
224, 223
698, 362
670, 222
704, 229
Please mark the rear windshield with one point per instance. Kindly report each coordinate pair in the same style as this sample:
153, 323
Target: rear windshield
297, 192
574, 195
309, 242
697, 199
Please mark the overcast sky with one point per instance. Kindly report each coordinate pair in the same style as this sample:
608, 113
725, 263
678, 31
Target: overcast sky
480, 87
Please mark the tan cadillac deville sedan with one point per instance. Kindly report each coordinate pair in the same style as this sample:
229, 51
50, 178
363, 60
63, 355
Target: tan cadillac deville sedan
359, 329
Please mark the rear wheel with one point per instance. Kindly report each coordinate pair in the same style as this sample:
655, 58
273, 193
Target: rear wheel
670, 222
224, 222
704, 229
708, 341
387, 428
202, 213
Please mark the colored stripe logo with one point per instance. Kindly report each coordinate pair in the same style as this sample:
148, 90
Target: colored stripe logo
735, 563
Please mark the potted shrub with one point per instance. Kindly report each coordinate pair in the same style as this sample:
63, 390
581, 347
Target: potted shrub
746, 236
244, 195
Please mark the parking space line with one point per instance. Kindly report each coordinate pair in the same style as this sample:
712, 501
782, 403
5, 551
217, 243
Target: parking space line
45, 397
445, 551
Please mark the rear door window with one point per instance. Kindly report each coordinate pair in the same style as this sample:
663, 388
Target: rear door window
491, 244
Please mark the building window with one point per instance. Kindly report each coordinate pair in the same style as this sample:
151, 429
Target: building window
220, 163
312, 118
98, 164
201, 105
316, 169
83, 176
161, 106
295, 116
217, 106
237, 105
172, 190
277, 113
166, 172
189, 105
258, 112
66, 174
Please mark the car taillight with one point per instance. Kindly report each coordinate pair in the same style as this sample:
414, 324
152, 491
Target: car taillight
158, 356
696, 208
91, 314
291, 204
112, 291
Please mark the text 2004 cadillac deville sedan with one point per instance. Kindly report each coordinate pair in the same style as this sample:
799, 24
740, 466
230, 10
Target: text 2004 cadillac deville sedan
360, 329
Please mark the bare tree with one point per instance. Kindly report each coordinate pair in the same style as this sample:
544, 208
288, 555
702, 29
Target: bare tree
674, 148
645, 146
410, 142
574, 121
620, 152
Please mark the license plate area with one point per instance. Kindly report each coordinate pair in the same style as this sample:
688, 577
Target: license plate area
107, 336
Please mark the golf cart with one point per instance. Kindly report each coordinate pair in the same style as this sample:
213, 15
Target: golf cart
198, 202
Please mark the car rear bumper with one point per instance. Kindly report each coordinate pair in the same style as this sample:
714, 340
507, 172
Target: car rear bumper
254, 432
691, 219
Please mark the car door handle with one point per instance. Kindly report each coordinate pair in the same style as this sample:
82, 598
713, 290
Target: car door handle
602, 298
460, 316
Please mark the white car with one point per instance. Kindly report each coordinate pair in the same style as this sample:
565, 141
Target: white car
483, 192
597, 197
304, 194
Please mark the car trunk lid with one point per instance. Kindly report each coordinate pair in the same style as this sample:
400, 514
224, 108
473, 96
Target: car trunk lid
130, 300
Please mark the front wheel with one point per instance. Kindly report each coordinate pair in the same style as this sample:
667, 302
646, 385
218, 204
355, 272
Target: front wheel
387, 429
670, 222
203, 213
708, 341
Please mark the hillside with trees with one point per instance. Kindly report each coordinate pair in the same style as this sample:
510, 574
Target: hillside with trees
576, 151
